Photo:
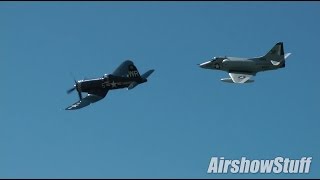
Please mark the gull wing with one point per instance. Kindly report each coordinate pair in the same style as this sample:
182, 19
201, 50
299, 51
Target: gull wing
240, 77
89, 99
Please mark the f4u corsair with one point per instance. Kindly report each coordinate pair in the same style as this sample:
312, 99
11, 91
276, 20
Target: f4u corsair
242, 69
125, 76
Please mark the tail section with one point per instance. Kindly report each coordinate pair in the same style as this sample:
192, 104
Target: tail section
144, 79
133, 71
276, 54
276, 50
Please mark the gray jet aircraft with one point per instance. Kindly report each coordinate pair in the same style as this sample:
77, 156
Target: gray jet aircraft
242, 69
125, 76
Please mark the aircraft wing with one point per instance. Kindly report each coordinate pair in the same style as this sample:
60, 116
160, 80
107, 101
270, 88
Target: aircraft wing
240, 77
90, 98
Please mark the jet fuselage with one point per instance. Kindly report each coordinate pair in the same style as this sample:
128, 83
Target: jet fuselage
235, 64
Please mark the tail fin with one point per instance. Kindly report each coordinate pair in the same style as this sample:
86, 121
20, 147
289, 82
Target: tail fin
277, 50
276, 54
133, 71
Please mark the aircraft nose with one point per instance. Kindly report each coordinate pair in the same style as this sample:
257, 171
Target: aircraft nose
205, 65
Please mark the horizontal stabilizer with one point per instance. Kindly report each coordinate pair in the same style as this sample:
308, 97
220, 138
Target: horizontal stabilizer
132, 85
287, 55
147, 74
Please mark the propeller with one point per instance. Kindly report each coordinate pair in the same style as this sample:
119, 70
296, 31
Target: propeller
70, 90
80, 95
75, 87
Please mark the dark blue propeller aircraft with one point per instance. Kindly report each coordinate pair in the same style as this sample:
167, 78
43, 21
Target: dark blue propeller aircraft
125, 76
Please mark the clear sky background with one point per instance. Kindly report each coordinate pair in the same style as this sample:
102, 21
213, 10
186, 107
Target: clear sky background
172, 125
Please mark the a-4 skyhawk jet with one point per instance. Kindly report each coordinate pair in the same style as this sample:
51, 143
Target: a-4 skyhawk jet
242, 69
125, 76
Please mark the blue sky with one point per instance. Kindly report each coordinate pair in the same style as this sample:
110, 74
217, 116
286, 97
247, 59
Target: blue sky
172, 125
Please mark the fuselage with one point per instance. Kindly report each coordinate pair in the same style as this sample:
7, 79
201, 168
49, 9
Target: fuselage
235, 64
108, 82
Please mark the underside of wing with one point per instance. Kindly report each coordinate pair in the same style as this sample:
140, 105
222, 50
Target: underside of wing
122, 70
239, 77
89, 99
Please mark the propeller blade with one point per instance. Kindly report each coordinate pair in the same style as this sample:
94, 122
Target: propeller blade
74, 88
70, 90
80, 95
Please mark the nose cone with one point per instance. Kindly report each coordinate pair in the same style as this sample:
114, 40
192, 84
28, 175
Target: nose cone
206, 65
